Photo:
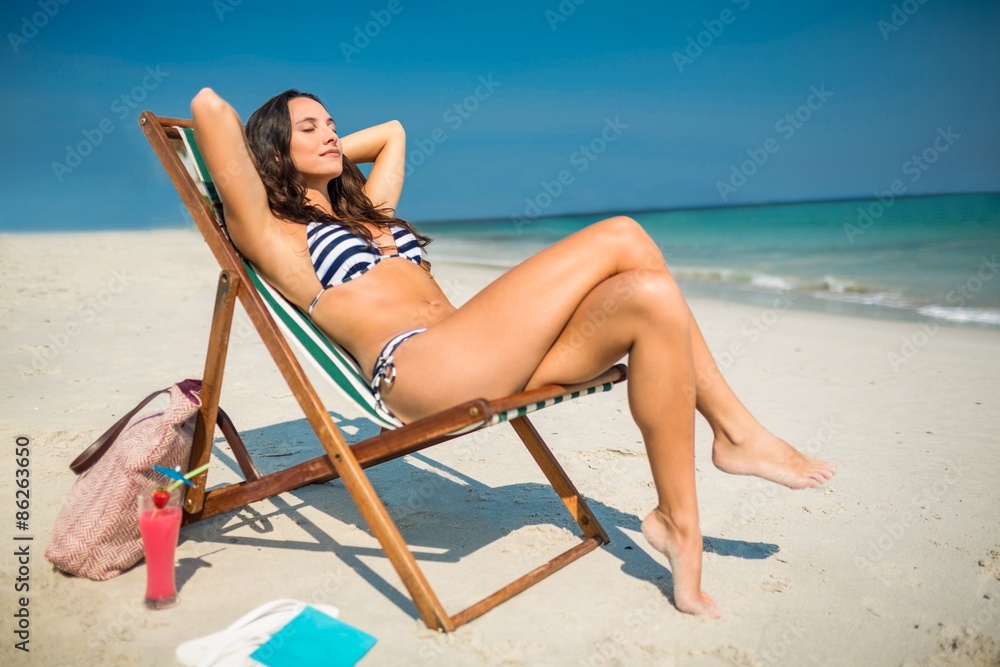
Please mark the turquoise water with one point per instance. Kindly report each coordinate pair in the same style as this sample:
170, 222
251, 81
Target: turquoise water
919, 257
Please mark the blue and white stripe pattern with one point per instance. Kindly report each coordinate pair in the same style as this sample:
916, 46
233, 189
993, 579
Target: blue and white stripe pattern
338, 255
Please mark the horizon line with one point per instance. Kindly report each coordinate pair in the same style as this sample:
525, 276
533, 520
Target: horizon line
702, 207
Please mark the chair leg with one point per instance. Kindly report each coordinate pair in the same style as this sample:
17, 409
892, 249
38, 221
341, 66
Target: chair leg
238, 447
559, 480
381, 524
345, 463
211, 386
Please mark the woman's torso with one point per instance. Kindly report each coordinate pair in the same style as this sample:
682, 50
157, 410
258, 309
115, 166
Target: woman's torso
391, 296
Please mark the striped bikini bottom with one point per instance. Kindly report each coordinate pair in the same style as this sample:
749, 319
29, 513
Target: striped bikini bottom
384, 372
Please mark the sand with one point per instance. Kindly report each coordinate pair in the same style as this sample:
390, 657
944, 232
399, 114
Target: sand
895, 562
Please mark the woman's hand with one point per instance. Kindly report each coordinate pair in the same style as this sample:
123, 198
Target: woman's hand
385, 145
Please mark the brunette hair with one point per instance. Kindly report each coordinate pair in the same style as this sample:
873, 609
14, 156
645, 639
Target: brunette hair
269, 133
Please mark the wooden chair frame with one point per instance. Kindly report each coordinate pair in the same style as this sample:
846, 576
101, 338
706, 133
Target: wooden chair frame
340, 459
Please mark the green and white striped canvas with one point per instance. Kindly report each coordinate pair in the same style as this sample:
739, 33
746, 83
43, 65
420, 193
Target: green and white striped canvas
325, 355
329, 358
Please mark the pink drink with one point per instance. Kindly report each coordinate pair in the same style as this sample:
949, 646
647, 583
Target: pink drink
160, 529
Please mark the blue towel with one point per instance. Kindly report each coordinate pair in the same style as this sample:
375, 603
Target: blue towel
313, 638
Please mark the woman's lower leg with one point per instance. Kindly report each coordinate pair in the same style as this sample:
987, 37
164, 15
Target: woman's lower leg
715, 399
643, 314
662, 401
660, 381
741, 444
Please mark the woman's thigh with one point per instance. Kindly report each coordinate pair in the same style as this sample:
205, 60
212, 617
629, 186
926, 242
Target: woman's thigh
565, 306
528, 306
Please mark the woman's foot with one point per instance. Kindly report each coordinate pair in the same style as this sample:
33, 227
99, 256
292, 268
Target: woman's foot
683, 550
769, 457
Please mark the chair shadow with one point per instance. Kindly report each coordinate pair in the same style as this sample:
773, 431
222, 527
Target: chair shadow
430, 503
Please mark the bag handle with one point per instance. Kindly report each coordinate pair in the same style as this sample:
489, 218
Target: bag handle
92, 454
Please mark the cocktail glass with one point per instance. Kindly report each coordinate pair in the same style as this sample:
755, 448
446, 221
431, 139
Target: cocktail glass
160, 527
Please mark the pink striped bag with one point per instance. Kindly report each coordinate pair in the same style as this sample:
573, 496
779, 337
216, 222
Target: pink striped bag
97, 531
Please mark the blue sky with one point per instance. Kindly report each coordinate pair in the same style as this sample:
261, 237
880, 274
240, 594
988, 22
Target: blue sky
516, 108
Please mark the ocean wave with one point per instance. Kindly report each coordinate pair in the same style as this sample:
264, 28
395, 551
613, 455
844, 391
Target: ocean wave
976, 315
826, 288
886, 299
767, 281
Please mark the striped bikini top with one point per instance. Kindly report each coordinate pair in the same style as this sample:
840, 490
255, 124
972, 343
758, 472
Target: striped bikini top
338, 255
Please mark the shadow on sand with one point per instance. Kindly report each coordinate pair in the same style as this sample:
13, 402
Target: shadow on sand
443, 514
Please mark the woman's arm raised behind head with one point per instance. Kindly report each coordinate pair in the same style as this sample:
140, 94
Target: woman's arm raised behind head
385, 145
219, 133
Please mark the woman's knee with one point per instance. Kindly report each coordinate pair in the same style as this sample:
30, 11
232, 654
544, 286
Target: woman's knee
629, 243
655, 297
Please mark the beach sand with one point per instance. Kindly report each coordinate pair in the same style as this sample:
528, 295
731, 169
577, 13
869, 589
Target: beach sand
896, 561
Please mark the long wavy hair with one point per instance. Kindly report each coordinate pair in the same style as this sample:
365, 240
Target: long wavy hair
269, 133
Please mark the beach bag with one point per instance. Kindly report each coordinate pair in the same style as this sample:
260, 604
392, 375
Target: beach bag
97, 531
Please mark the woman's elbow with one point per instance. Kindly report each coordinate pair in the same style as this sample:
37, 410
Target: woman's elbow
207, 101
396, 128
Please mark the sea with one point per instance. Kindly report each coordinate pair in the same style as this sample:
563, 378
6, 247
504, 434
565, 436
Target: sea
914, 258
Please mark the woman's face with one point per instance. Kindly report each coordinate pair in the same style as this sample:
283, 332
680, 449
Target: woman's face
315, 146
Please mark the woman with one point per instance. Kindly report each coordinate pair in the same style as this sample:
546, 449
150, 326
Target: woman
299, 209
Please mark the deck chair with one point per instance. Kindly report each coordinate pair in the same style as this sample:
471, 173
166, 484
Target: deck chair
277, 322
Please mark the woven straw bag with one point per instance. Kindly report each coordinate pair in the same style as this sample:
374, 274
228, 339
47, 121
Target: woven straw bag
97, 531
